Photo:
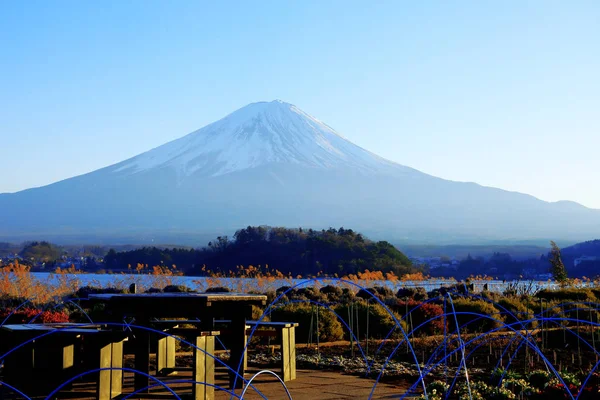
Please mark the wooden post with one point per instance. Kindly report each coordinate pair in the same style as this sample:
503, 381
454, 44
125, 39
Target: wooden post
204, 368
238, 343
116, 385
142, 358
165, 355
110, 380
288, 353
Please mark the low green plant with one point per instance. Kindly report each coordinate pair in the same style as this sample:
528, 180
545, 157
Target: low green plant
570, 378
539, 378
518, 386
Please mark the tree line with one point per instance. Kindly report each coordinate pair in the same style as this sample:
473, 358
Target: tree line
294, 251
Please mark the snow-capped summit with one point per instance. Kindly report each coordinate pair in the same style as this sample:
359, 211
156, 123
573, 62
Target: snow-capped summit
258, 134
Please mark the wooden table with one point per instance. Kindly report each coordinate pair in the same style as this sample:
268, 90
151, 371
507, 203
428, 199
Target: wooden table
207, 307
50, 356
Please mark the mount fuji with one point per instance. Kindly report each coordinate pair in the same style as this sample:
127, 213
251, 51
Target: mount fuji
270, 163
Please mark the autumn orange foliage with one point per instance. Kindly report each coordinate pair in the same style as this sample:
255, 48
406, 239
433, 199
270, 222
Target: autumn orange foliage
16, 281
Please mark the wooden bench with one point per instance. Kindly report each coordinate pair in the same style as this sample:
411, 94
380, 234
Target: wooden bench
165, 349
55, 358
284, 332
203, 366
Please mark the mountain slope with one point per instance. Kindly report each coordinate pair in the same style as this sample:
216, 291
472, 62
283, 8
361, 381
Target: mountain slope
271, 163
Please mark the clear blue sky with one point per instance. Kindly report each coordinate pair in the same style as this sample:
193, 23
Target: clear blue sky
503, 93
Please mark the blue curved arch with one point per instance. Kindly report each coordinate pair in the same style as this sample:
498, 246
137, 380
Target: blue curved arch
343, 281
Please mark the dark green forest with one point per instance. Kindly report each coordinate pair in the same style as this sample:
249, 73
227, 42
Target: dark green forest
295, 251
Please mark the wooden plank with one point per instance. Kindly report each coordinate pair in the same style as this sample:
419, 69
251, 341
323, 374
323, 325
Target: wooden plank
292, 331
273, 324
165, 355
68, 356
173, 305
116, 381
209, 366
285, 355
204, 368
104, 376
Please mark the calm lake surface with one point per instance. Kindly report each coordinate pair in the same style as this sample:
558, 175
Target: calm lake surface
264, 284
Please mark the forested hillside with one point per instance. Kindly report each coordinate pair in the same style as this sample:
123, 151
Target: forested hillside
589, 248
295, 251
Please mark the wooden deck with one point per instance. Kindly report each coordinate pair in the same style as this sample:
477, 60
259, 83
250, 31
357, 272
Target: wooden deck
309, 385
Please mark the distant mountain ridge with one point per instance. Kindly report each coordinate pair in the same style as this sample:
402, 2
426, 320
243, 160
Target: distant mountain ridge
587, 248
270, 163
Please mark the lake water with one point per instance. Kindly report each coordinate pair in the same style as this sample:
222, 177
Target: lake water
263, 285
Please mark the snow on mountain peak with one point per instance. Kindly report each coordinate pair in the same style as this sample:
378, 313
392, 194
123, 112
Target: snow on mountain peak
257, 134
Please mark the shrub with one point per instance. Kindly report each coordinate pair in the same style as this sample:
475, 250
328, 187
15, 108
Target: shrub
420, 313
492, 296
85, 291
475, 391
568, 309
489, 318
415, 293
480, 390
383, 291
436, 390
380, 322
567, 294
518, 386
570, 378
330, 328
539, 378
435, 293
179, 289
26, 315
556, 390
520, 312
459, 287
257, 312
504, 374
439, 387
308, 293
271, 296
218, 289
380, 292
282, 289
333, 293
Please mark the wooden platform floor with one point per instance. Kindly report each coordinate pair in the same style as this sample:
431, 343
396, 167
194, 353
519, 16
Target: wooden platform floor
309, 385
